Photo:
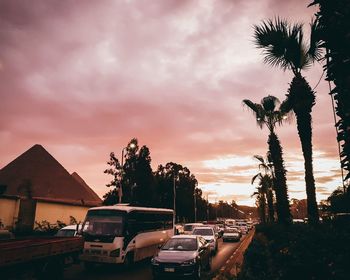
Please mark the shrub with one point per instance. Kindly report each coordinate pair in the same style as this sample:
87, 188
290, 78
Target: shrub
298, 251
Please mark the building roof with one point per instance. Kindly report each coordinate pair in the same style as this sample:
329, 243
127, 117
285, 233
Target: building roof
37, 174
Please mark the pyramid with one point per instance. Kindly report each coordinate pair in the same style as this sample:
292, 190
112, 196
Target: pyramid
36, 173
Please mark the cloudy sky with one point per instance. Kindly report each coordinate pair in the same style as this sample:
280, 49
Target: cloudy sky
82, 78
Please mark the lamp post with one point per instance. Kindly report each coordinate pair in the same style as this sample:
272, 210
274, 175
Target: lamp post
175, 176
195, 204
120, 192
174, 202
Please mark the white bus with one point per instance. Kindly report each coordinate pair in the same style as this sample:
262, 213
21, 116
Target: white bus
124, 234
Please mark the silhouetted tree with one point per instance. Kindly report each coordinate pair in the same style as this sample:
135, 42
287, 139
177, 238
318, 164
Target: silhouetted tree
185, 184
339, 201
268, 114
115, 169
334, 26
266, 182
284, 47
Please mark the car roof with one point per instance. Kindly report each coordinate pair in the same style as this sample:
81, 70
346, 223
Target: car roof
203, 227
71, 227
184, 236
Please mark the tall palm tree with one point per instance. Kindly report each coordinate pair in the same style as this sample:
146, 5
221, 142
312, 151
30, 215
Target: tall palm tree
260, 202
268, 114
284, 47
266, 180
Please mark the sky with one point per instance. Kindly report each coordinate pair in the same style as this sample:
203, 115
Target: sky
82, 78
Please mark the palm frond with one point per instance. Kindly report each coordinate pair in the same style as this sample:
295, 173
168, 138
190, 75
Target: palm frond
257, 110
315, 50
259, 158
256, 176
282, 43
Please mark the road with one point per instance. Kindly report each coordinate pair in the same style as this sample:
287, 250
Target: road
142, 270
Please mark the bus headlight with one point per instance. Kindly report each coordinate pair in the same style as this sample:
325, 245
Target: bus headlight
115, 253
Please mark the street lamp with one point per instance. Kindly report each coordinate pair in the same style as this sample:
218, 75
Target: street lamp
195, 204
120, 192
175, 176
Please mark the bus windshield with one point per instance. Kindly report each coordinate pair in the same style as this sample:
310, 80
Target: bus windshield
104, 222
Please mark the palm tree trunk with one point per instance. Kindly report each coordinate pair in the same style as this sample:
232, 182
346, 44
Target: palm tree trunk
303, 99
282, 202
271, 211
262, 206
305, 134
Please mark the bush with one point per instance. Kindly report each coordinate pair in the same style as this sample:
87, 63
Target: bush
298, 251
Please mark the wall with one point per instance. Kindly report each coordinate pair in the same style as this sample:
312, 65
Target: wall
9, 211
52, 212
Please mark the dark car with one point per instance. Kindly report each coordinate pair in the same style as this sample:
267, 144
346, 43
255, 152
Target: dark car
231, 234
182, 255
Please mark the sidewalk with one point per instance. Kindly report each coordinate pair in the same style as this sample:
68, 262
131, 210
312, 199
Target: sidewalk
233, 265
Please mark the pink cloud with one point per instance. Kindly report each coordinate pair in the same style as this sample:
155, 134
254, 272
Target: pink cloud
82, 79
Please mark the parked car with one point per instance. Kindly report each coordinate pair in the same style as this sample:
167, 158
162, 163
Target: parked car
209, 235
182, 255
71, 230
231, 234
188, 228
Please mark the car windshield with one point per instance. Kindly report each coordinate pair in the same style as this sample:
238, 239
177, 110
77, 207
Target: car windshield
65, 232
203, 231
230, 230
180, 244
104, 222
188, 227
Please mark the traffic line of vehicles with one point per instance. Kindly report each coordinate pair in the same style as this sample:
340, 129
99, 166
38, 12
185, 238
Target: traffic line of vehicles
123, 234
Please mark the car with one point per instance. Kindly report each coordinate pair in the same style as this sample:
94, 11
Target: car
231, 234
209, 235
68, 231
216, 229
188, 228
182, 255
243, 227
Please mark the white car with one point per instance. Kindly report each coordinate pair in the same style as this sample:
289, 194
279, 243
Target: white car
71, 230
188, 228
209, 235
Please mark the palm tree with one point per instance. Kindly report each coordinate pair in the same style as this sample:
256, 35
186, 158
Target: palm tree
266, 180
284, 47
260, 202
267, 114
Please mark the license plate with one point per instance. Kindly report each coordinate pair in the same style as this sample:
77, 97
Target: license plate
96, 252
169, 269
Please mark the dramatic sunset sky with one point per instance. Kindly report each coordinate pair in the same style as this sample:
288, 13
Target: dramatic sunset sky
82, 78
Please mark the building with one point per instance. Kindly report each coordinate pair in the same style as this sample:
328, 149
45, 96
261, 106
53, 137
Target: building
35, 187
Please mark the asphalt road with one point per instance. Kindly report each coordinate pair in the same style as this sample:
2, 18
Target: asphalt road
142, 270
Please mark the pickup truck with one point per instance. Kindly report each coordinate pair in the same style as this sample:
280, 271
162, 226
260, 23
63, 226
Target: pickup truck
37, 257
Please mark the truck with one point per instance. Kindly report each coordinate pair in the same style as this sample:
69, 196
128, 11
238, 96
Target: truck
38, 257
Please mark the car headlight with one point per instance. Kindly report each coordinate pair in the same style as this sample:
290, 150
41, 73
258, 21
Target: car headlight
154, 261
189, 262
